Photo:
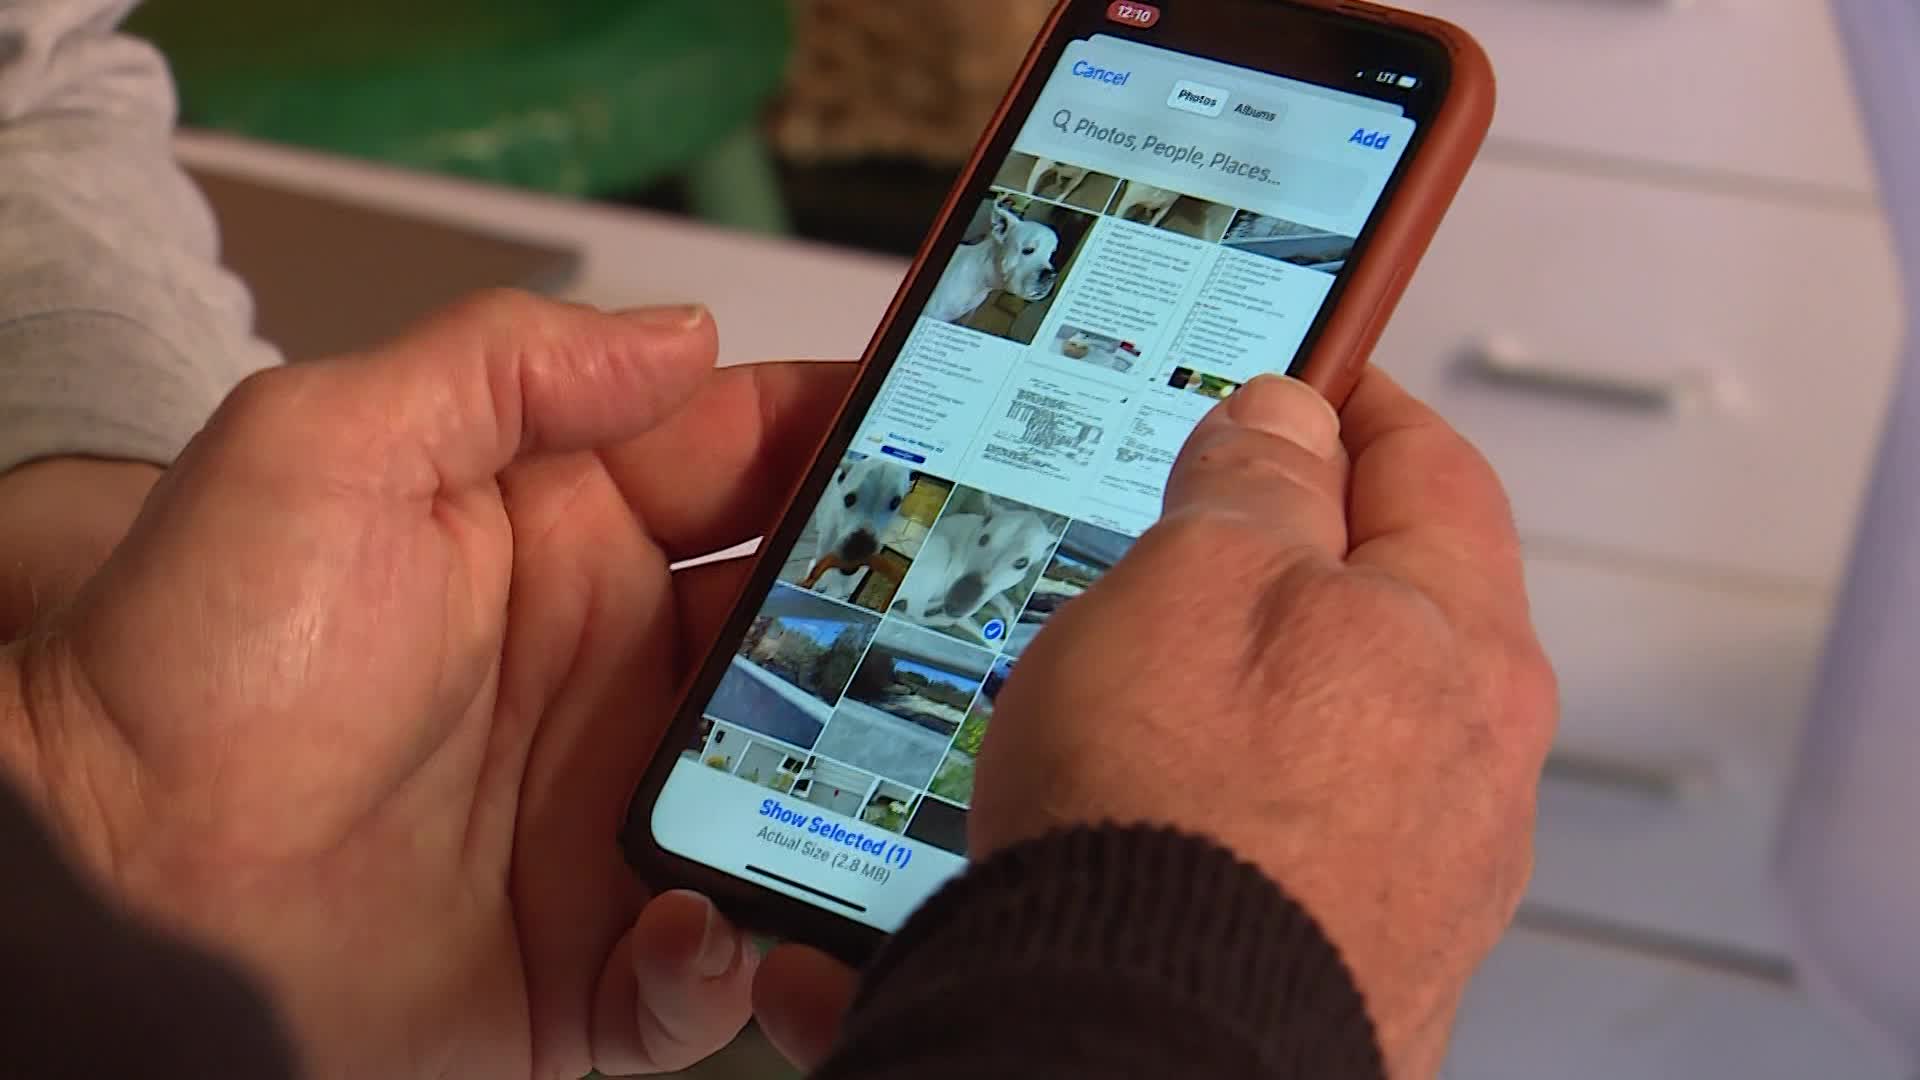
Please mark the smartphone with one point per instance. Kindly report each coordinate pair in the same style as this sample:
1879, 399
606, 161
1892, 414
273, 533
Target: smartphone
1173, 198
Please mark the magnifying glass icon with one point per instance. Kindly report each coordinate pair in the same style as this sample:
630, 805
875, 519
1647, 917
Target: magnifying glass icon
1062, 118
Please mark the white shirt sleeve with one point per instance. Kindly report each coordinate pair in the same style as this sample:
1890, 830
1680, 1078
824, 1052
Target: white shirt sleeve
119, 331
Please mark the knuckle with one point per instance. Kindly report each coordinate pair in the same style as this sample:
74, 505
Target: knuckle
263, 400
1467, 469
257, 391
1517, 700
1462, 451
1519, 865
1258, 459
1232, 545
1324, 633
480, 318
1178, 535
1357, 596
274, 419
498, 304
1533, 697
1370, 618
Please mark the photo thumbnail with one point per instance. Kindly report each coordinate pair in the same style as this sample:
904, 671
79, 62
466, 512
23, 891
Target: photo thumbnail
1165, 208
1017, 254
866, 530
1085, 553
796, 658
1289, 242
1056, 181
906, 700
977, 567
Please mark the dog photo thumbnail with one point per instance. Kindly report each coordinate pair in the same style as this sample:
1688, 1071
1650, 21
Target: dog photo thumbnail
1057, 181
1164, 208
1100, 350
905, 702
1085, 553
1195, 382
866, 530
1003, 278
1289, 242
977, 566
797, 656
954, 779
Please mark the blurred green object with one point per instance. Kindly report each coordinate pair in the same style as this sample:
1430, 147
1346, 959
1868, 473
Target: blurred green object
594, 98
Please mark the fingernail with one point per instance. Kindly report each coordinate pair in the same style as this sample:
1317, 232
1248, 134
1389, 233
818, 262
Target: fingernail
719, 946
667, 317
1289, 409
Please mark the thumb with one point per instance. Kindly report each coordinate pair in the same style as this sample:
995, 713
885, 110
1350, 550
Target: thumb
1269, 456
458, 398
676, 989
800, 998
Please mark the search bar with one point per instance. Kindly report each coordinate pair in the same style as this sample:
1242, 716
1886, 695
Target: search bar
1162, 152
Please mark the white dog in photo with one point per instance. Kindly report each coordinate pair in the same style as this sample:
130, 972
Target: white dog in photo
1016, 257
970, 561
861, 502
1055, 180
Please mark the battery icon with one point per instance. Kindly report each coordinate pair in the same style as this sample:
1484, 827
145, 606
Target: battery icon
1408, 81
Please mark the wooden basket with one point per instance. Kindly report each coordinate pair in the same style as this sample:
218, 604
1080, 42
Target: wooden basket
915, 79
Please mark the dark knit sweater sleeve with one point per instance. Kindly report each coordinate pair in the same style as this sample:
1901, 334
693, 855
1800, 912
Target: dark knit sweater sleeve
88, 993
1111, 953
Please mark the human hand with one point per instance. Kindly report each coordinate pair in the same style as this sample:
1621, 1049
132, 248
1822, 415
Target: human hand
1347, 693
1359, 706
59, 519
363, 694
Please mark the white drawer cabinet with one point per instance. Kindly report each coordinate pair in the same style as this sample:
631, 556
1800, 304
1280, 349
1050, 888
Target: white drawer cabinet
1699, 685
1681, 707
1546, 1008
1684, 376
1756, 88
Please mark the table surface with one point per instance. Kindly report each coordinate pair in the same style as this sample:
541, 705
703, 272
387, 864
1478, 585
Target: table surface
772, 299
1547, 1005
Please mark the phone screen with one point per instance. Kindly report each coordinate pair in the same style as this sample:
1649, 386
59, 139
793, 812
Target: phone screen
1161, 228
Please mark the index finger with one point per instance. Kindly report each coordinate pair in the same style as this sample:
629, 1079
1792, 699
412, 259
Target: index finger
717, 471
1425, 506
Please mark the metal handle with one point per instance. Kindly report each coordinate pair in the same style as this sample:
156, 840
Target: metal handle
1504, 364
1668, 781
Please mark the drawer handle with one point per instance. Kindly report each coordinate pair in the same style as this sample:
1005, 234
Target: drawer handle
1504, 364
1670, 781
